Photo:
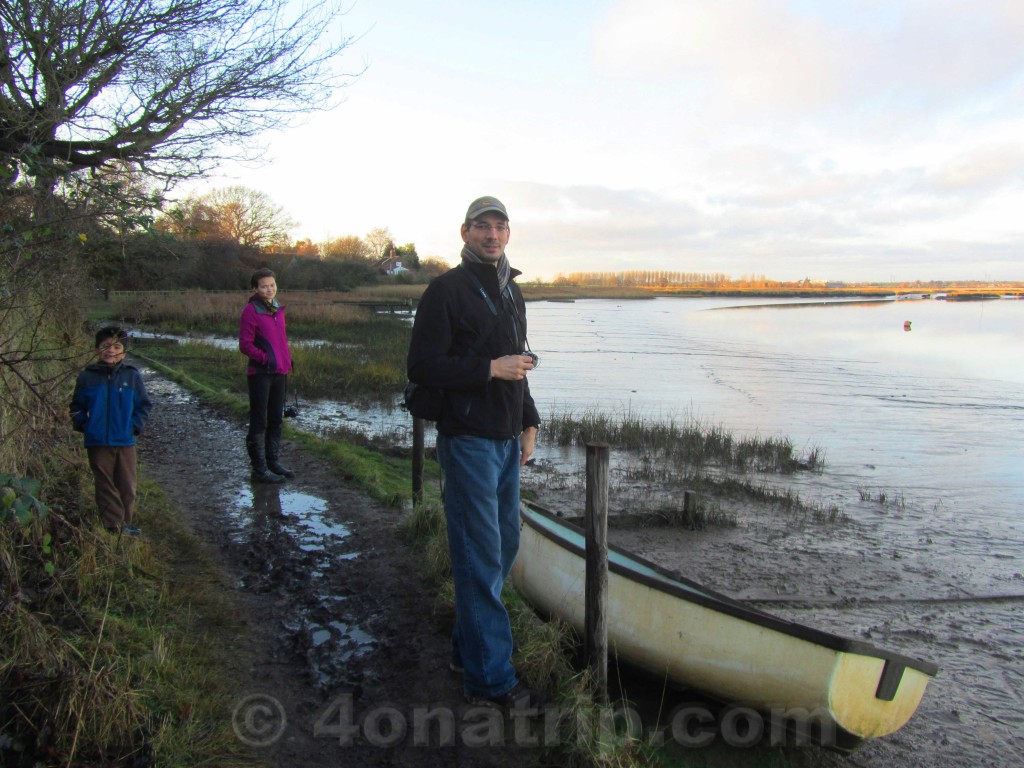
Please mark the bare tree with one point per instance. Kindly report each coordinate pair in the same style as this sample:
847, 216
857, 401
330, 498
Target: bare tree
378, 239
248, 217
175, 86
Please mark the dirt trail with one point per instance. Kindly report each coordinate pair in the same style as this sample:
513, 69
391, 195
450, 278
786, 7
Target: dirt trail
341, 656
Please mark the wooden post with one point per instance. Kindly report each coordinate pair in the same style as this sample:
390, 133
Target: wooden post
417, 462
596, 620
689, 504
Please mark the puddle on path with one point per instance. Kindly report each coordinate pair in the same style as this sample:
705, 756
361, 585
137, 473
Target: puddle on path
293, 544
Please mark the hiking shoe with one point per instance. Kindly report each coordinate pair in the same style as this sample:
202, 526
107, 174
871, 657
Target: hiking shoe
131, 530
519, 697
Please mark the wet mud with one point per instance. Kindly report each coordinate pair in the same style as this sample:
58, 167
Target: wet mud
339, 653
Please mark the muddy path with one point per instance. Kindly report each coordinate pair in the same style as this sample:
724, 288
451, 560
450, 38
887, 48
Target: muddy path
340, 656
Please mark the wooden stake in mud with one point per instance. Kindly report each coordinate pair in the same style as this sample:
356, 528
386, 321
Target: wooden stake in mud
417, 462
689, 504
596, 620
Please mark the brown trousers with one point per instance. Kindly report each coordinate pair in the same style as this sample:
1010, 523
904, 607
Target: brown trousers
114, 472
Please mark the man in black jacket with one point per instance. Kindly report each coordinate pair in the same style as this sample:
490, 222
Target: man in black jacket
485, 433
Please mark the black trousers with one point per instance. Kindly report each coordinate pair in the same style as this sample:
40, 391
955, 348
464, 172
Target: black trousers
267, 392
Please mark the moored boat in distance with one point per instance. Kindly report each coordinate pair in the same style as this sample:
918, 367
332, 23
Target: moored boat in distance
845, 690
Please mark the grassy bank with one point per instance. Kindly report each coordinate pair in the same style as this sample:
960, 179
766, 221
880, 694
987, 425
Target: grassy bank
102, 661
106, 658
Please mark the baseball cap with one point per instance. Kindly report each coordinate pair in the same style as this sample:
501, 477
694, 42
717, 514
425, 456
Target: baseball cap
484, 205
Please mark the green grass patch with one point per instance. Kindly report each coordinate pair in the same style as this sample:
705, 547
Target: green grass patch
372, 369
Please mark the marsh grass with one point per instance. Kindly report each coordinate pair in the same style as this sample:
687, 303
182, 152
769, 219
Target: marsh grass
370, 363
661, 459
688, 441
319, 371
884, 499
704, 515
646, 486
311, 314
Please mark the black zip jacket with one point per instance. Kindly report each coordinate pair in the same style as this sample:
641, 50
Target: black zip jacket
451, 315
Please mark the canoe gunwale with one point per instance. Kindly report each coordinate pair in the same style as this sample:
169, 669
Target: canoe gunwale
708, 598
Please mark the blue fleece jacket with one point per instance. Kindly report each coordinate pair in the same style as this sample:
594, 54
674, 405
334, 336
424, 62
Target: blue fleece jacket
110, 404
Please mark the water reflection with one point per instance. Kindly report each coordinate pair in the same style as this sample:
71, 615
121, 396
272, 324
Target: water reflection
228, 342
292, 544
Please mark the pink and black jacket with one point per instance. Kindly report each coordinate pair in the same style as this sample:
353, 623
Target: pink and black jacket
263, 339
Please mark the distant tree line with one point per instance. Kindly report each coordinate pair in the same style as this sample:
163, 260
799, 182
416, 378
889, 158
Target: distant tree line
653, 279
664, 279
215, 240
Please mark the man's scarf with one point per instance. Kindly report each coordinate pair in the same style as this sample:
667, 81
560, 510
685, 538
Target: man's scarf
504, 270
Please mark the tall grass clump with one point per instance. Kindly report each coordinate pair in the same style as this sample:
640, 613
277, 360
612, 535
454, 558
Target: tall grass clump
100, 662
689, 441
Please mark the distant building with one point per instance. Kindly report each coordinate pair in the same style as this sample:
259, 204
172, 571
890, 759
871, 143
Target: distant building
391, 265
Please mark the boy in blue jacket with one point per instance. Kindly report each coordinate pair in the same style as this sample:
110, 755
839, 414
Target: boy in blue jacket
110, 406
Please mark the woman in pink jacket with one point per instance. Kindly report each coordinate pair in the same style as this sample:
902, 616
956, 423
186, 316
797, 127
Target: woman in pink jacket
263, 339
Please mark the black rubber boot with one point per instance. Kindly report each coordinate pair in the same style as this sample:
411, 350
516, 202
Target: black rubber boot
273, 451
257, 455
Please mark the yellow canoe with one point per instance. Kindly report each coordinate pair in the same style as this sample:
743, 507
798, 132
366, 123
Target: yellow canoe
844, 690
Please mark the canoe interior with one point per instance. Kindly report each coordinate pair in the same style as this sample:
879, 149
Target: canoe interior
636, 568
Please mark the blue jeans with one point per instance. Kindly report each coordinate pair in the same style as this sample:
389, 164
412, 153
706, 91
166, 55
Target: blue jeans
481, 501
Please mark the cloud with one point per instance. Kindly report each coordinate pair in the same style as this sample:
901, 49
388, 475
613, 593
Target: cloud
753, 51
837, 139
772, 54
981, 169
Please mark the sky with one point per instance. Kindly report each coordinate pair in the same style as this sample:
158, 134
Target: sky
855, 140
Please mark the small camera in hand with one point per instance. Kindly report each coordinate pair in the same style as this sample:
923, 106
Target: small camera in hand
291, 412
533, 357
